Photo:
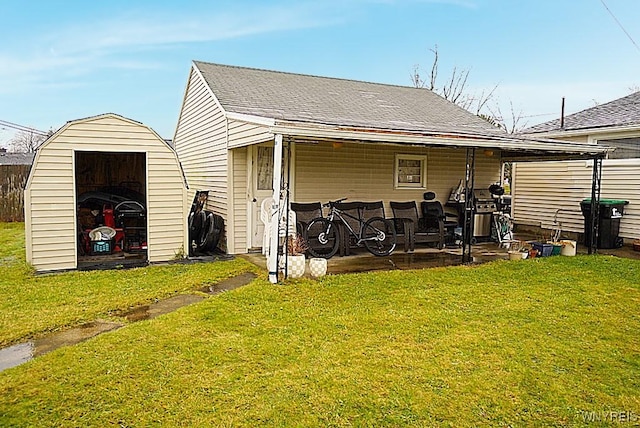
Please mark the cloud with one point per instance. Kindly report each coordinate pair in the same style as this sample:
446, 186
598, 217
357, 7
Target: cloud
78, 49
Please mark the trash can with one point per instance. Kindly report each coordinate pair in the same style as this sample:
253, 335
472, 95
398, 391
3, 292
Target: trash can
611, 211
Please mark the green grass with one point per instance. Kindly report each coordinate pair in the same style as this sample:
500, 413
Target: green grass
31, 305
527, 343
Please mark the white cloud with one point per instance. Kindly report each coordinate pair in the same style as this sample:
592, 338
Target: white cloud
78, 49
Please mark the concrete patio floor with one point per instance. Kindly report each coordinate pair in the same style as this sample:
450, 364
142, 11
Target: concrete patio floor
423, 257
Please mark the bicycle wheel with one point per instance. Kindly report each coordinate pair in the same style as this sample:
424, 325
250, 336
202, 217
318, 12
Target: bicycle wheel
322, 238
379, 236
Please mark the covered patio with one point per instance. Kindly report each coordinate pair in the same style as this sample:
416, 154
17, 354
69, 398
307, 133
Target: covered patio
500, 148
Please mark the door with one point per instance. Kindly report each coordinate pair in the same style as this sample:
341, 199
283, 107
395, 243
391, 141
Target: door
262, 187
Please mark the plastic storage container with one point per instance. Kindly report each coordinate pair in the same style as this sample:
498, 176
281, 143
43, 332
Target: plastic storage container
610, 213
544, 250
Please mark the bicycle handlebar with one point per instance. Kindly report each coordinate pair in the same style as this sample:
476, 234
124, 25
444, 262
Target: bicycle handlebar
330, 203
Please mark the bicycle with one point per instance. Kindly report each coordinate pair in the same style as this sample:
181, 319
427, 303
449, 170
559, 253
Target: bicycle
377, 234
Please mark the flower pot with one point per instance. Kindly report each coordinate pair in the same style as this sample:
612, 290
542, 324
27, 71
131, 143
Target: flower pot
295, 266
515, 255
318, 267
533, 253
568, 248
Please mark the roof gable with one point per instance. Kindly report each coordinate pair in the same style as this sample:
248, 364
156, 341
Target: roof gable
337, 102
620, 112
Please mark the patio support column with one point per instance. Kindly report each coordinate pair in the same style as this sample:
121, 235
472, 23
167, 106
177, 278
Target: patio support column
467, 226
272, 261
596, 181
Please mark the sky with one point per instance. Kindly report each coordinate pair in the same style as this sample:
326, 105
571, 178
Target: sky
66, 60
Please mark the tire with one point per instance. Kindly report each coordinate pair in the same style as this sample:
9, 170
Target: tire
322, 238
196, 224
379, 236
210, 234
207, 235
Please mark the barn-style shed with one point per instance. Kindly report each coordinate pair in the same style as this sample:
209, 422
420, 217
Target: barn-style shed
110, 174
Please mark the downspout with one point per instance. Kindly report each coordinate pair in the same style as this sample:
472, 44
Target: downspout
272, 261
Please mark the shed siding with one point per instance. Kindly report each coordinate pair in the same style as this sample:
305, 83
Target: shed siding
51, 190
542, 188
243, 134
365, 171
201, 144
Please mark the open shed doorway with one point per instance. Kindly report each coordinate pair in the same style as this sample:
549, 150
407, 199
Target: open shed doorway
111, 190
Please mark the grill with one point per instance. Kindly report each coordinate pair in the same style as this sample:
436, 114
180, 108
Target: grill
483, 208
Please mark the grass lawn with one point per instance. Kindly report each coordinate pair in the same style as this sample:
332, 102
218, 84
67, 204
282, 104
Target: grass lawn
544, 342
31, 305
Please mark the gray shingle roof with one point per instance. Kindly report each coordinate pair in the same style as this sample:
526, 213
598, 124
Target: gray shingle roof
16, 158
338, 102
620, 112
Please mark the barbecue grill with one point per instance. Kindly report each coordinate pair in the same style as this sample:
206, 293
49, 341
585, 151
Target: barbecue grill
484, 205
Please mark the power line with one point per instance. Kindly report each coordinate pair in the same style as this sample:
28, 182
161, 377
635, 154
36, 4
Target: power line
22, 128
620, 25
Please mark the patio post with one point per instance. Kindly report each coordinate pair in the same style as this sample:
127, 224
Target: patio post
467, 226
596, 181
272, 261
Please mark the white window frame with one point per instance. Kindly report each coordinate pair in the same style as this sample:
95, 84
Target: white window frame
422, 184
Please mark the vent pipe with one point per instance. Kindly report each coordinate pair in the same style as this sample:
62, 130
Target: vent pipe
562, 115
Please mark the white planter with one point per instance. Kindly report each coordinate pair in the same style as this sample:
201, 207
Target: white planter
318, 267
568, 247
295, 266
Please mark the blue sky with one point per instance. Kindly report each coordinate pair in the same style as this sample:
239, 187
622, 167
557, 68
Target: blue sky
64, 60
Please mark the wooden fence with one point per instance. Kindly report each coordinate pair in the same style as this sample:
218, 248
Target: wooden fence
12, 181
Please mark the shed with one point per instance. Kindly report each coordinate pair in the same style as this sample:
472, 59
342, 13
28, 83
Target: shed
104, 170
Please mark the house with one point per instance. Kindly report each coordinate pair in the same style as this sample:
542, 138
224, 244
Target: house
243, 132
100, 168
548, 193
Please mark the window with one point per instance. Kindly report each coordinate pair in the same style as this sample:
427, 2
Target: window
265, 168
410, 172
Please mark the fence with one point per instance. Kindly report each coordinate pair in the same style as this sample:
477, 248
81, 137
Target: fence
12, 181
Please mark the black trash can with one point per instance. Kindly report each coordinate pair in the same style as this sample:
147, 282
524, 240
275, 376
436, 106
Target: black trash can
611, 211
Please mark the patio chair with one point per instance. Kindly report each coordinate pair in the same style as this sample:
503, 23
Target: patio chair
305, 212
434, 214
412, 229
347, 241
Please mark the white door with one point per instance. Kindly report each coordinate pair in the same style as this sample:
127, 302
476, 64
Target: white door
262, 187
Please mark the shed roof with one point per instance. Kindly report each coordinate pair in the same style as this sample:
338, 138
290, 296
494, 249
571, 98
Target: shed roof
16, 158
620, 112
341, 102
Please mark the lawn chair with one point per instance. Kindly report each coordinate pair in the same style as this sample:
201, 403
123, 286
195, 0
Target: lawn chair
346, 239
412, 229
434, 214
305, 212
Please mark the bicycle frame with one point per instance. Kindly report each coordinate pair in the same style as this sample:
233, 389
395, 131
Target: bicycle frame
336, 212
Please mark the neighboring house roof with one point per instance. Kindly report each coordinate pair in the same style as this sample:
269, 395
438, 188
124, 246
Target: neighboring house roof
16, 158
338, 102
624, 111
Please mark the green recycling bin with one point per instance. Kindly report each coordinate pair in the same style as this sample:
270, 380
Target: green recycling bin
610, 213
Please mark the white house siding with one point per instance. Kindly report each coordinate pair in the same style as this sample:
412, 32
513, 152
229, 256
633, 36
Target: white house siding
201, 143
365, 171
243, 134
237, 231
50, 191
542, 188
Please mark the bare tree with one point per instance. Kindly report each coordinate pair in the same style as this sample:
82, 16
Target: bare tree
513, 124
27, 141
455, 89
